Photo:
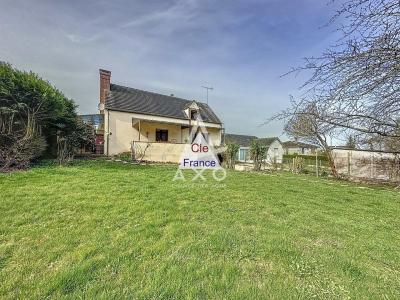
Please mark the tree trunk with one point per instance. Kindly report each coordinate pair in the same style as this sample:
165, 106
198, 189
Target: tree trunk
329, 155
30, 125
331, 162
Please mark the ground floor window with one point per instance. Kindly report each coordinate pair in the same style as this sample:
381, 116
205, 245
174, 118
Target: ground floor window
161, 135
244, 154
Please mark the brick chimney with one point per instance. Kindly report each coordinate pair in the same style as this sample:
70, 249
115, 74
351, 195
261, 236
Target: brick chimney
105, 77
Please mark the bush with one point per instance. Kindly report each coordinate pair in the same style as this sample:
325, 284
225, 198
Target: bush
289, 157
79, 135
18, 153
258, 154
230, 155
33, 114
298, 164
125, 156
309, 160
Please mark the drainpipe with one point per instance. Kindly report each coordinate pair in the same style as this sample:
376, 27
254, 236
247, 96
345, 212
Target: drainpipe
108, 130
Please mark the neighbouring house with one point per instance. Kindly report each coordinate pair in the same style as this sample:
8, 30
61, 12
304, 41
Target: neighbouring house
244, 141
295, 147
274, 149
273, 144
155, 126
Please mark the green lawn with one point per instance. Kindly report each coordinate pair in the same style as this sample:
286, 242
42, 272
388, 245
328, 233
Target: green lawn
107, 230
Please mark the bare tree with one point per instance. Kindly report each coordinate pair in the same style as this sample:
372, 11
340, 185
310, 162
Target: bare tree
356, 83
377, 142
303, 123
351, 142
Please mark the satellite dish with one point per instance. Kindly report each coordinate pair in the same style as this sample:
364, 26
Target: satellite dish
101, 106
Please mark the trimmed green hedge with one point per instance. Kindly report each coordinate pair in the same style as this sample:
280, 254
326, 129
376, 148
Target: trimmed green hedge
306, 157
309, 160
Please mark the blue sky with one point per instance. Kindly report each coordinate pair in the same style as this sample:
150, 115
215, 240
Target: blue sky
238, 47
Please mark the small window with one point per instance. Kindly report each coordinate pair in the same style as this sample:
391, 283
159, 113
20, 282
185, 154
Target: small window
194, 114
161, 135
242, 154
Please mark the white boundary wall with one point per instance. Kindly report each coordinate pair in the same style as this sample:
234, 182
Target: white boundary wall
368, 164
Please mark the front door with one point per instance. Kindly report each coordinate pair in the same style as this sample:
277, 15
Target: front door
275, 155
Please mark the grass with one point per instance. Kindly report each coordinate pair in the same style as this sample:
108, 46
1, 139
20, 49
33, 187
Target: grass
107, 230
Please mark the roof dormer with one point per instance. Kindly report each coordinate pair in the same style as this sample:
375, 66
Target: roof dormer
192, 111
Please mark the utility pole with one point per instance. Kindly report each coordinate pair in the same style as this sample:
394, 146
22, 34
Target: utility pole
207, 88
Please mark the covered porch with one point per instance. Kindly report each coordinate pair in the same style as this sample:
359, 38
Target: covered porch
165, 141
155, 131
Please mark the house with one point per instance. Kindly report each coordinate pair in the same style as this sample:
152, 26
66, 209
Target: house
274, 149
244, 141
156, 126
273, 144
295, 147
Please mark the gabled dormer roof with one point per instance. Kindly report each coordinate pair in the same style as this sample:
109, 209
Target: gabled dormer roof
192, 105
128, 99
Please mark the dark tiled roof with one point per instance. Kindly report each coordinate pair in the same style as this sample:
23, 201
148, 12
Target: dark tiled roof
245, 140
94, 119
133, 100
269, 140
241, 140
294, 144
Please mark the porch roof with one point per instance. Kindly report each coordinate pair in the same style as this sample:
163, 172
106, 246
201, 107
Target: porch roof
135, 121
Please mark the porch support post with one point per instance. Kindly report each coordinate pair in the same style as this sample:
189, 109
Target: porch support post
139, 129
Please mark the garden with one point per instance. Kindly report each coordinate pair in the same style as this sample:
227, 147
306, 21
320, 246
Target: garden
105, 229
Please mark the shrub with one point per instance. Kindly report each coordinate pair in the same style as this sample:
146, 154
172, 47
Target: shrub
79, 135
231, 155
17, 153
258, 154
32, 115
298, 164
289, 157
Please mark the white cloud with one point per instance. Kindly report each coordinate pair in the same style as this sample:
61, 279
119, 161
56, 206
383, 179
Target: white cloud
180, 11
75, 38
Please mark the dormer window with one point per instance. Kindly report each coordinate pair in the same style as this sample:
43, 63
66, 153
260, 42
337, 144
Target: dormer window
194, 114
192, 111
